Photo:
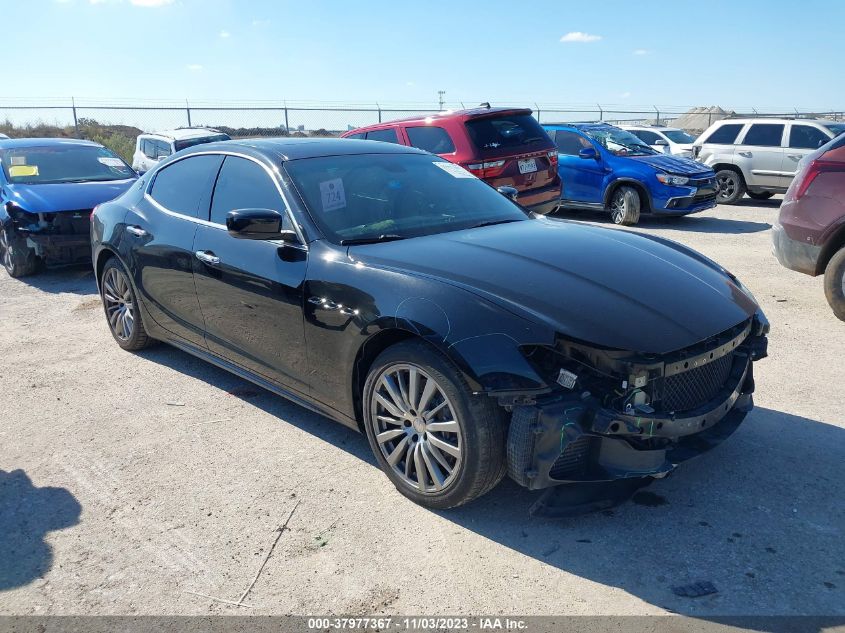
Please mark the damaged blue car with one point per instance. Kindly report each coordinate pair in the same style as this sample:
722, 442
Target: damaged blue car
48, 189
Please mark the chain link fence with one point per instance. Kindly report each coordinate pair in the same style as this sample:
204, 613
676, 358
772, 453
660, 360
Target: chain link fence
116, 125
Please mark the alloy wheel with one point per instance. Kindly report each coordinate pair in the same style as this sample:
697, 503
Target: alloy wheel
6, 247
727, 187
117, 297
416, 428
617, 207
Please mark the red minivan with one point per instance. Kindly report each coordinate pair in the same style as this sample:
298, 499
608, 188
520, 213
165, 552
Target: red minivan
505, 147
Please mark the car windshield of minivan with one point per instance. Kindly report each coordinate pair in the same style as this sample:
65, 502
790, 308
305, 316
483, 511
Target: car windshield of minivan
619, 142
190, 142
678, 136
381, 197
43, 165
494, 134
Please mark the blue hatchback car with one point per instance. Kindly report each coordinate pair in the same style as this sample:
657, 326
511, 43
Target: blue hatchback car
605, 168
48, 189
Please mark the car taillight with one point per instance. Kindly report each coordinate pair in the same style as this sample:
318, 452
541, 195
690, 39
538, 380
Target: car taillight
553, 159
489, 169
811, 172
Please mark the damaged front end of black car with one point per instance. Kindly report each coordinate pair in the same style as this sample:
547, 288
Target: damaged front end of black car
624, 416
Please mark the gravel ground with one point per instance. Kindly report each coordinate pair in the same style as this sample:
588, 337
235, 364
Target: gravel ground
131, 480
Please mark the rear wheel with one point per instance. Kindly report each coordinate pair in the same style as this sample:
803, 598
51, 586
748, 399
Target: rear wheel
731, 186
625, 206
122, 309
440, 445
760, 195
19, 259
834, 283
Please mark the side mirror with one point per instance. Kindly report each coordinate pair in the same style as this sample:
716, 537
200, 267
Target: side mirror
510, 192
257, 224
588, 152
662, 142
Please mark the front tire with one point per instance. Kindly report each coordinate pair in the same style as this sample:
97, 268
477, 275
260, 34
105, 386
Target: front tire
122, 309
625, 206
731, 186
834, 283
440, 445
19, 260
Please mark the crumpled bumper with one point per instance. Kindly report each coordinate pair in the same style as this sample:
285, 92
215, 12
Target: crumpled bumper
570, 439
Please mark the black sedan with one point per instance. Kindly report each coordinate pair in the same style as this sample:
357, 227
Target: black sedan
398, 294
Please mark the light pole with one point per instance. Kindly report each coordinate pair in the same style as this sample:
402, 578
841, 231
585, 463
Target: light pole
440, 94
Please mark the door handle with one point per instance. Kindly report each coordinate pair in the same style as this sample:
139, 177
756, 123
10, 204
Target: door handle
137, 231
745, 154
795, 156
207, 257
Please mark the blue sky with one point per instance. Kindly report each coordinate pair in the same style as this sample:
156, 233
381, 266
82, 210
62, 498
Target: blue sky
768, 54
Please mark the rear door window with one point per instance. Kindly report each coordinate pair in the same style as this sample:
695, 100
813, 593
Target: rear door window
806, 137
386, 136
493, 135
243, 184
764, 135
360, 136
646, 136
431, 138
181, 186
725, 134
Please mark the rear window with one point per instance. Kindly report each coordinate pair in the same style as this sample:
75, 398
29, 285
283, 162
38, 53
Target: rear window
386, 136
764, 135
725, 134
431, 139
181, 187
499, 134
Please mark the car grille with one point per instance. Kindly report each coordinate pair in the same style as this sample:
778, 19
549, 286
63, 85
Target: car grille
72, 222
572, 460
693, 388
705, 195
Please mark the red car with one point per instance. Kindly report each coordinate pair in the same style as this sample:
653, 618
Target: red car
810, 233
505, 147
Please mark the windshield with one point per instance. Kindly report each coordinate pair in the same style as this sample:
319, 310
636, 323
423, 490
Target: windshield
835, 128
190, 142
619, 142
493, 135
395, 196
678, 136
51, 164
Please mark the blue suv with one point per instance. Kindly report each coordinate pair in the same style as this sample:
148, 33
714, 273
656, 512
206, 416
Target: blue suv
605, 168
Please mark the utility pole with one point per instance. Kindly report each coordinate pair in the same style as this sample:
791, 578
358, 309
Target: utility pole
441, 94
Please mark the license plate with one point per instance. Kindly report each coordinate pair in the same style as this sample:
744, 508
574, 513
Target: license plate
527, 166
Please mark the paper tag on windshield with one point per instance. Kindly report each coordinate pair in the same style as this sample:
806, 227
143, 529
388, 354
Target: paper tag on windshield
455, 170
332, 194
110, 161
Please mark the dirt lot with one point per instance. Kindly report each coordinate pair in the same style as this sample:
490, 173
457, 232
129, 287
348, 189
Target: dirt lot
132, 480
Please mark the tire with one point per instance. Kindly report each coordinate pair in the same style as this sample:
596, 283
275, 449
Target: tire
731, 186
19, 260
625, 206
834, 283
477, 439
121, 307
759, 195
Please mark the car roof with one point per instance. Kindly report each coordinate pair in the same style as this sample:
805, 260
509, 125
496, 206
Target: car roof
654, 128
296, 148
586, 125
12, 143
180, 134
446, 115
765, 119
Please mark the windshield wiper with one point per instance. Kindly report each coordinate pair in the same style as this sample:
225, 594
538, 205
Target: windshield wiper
492, 222
384, 237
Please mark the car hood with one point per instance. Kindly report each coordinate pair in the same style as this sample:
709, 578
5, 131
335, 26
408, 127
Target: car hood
604, 286
674, 164
71, 196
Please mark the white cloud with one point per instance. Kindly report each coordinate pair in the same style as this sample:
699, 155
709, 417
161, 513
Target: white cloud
625, 95
578, 36
640, 51
260, 22
410, 84
225, 34
194, 68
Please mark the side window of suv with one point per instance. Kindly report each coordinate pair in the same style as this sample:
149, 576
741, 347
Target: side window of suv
148, 147
806, 137
431, 138
569, 143
764, 135
650, 138
388, 136
243, 184
725, 134
181, 186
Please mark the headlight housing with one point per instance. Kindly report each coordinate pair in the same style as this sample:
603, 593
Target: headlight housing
672, 179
